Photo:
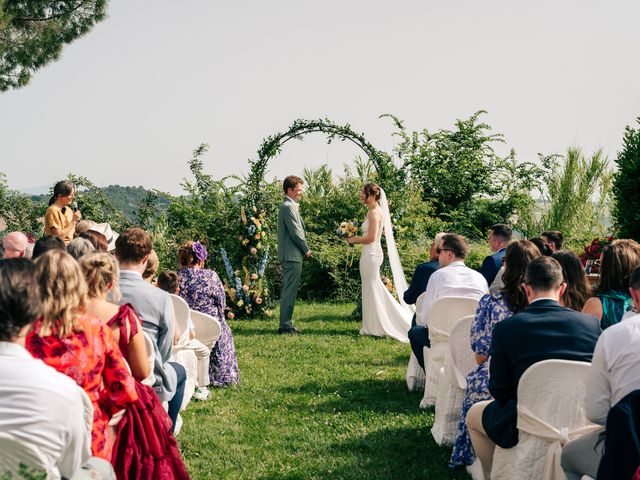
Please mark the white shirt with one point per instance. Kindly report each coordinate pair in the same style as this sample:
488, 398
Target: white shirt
44, 408
614, 368
454, 280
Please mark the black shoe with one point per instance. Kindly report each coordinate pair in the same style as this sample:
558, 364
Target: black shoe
291, 331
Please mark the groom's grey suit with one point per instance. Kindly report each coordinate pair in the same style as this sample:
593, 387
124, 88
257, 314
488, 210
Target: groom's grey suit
292, 248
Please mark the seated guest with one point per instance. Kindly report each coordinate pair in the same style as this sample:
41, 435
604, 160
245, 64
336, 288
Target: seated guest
499, 237
152, 267
79, 345
46, 243
542, 245
144, 418
418, 336
98, 240
169, 281
612, 376
155, 309
493, 308
578, 288
38, 405
82, 226
14, 245
544, 330
554, 239
61, 217
453, 278
107, 233
612, 298
79, 247
203, 291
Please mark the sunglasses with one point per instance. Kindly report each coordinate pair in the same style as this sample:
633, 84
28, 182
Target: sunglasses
440, 250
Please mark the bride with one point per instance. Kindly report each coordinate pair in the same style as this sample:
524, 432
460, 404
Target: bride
382, 315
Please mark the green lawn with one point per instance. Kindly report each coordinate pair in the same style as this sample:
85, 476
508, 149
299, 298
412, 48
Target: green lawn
324, 404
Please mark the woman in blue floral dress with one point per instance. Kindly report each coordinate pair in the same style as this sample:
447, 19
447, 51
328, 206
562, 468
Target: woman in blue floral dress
493, 308
203, 291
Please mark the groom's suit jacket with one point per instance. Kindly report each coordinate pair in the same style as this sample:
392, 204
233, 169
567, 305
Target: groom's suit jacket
292, 243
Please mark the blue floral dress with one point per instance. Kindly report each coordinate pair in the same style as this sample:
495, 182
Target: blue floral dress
203, 291
492, 309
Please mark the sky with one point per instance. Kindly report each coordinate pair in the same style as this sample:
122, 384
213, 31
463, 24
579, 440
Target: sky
128, 103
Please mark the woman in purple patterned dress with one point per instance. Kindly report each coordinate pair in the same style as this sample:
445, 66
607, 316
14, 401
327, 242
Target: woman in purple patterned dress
494, 307
203, 291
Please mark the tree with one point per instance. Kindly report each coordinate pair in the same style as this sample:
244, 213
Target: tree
626, 186
33, 33
17, 212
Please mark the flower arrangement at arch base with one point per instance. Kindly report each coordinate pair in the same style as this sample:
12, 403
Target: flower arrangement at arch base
590, 257
247, 297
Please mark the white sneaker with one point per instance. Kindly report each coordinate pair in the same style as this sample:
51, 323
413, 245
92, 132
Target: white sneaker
202, 393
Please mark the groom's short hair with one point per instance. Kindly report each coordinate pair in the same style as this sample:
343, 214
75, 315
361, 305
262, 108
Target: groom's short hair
290, 182
456, 243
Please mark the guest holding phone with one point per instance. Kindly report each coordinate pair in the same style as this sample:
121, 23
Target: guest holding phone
62, 215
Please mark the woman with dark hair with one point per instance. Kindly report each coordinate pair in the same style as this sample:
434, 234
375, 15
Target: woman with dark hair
97, 239
494, 307
578, 288
60, 218
612, 298
544, 248
203, 291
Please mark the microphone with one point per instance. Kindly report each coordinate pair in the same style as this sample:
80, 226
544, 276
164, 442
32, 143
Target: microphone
74, 206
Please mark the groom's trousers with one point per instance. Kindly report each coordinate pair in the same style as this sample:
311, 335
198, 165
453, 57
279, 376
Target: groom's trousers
291, 273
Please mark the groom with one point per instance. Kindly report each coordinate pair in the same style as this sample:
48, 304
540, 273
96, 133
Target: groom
292, 249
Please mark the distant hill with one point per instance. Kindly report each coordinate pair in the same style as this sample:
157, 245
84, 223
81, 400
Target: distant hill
125, 199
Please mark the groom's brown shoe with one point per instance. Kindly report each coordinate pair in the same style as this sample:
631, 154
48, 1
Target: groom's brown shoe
291, 331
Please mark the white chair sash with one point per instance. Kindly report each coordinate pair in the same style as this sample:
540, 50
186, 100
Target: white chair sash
528, 422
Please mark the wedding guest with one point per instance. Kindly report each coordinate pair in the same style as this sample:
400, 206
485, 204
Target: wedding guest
152, 267
500, 235
82, 226
612, 376
46, 243
543, 330
493, 308
98, 240
418, 334
612, 298
145, 418
578, 286
169, 281
109, 235
79, 345
14, 245
155, 309
542, 246
79, 246
31, 390
61, 217
554, 239
203, 291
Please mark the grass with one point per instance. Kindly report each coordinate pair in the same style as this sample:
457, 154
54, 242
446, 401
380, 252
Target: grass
324, 404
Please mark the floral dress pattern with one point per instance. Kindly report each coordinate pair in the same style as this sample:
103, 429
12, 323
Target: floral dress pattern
203, 291
492, 309
92, 358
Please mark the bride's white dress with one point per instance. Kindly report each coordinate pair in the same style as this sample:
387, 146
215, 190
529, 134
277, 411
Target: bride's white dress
382, 315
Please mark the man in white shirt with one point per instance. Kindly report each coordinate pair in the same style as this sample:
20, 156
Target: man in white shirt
38, 405
612, 376
454, 278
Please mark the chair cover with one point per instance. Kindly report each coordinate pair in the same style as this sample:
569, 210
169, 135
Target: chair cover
452, 384
415, 373
187, 358
444, 314
22, 460
181, 310
550, 413
148, 343
207, 328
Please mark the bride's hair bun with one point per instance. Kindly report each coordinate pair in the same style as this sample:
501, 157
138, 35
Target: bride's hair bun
371, 189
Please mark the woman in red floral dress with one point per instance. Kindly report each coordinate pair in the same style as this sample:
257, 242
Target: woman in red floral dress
79, 345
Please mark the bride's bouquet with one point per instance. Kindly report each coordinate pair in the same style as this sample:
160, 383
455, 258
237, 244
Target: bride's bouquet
348, 230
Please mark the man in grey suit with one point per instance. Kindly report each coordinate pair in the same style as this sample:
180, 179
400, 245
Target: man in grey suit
155, 309
292, 249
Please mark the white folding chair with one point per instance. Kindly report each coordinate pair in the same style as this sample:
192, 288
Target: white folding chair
148, 343
19, 459
207, 328
181, 311
415, 373
444, 314
550, 413
452, 385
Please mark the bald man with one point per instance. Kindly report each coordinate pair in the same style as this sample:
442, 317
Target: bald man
15, 245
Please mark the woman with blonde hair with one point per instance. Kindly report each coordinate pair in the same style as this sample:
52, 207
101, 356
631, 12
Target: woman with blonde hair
79, 345
145, 418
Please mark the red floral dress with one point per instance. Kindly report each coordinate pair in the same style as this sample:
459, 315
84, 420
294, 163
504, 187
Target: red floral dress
92, 358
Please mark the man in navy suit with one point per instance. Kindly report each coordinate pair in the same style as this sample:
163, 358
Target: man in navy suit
542, 331
418, 334
499, 237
